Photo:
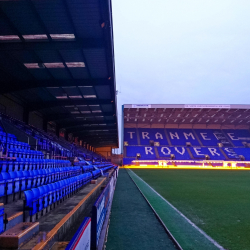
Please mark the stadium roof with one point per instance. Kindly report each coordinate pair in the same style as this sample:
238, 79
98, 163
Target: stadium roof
57, 57
181, 115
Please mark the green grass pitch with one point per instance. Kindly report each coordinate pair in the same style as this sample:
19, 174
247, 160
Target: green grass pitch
217, 201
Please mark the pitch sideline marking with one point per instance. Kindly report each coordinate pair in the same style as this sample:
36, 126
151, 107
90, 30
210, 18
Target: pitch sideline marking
181, 214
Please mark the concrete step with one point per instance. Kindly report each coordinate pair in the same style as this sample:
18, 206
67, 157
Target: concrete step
14, 237
14, 220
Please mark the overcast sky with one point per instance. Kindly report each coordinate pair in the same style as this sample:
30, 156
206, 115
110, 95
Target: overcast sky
182, 51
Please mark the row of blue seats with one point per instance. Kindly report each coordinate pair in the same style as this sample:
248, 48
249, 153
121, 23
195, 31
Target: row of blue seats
87, 168
25, 153
96, 173
106, 168
14, 182
39, 198
45, 144
21, 164
100, 166
80, 163
15, 144
4, 136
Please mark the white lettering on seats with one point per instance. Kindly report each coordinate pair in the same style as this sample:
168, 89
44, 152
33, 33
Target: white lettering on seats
197, 152
215, 136
230, 151
182, 152
213, 151
204, 136
145, 135
158, 135
131, 134
174, 135
168, 151
149, 150
231, 135
190, 134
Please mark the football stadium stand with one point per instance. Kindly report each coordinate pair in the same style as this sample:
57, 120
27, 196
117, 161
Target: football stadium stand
146, 140
187, 144
58, 123
34, 182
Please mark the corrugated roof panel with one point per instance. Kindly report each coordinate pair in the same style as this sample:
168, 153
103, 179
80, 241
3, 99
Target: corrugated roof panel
40, 74
29, 95
72, 91
55, 110
48, 56
72, 55
58, 110
86, 17
13, 67
22, 16
109, 118
5, 28
103, 92
43, 94
107, 107
87, 90
60, 73
24, 56
84, 108
54, 16
98, 118
56, 91
94, 107
79, 73
96, 61
5, 79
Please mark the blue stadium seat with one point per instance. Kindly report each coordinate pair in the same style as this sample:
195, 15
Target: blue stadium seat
29, 179
96, 173
44, 195
43, 176
7, 182
31, 203
50, 191
38, 199
22, 180
179, 137
2, 186
16, 181
38, 178
4, 166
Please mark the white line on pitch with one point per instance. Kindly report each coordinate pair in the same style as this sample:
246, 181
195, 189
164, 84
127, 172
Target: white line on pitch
181, 214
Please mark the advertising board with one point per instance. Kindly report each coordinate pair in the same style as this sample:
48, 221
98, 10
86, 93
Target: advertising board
99, 211
81, 239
